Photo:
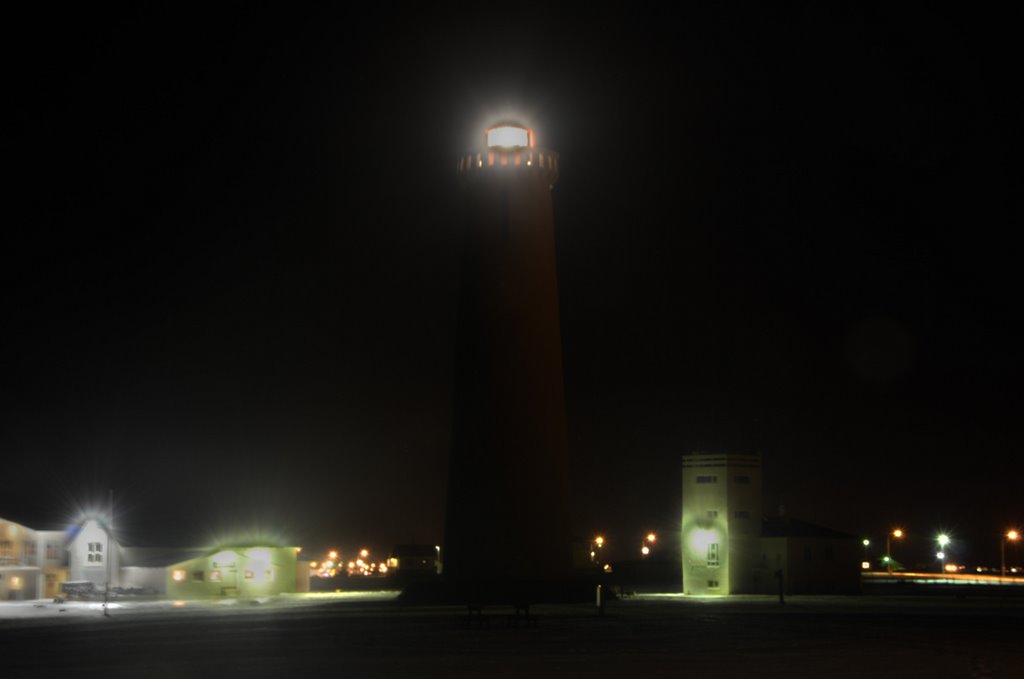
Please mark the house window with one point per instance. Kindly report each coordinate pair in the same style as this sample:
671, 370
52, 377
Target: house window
249, 575
741, 514
96, 552
197, 576
52, 551
5, 549
713, 554
712, 584
215, 575
28, 550
707, 479
712, 513
742, 479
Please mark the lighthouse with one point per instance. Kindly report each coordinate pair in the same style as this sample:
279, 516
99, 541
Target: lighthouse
507, 524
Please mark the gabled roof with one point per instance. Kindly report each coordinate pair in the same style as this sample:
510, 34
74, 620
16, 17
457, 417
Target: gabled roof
788, 527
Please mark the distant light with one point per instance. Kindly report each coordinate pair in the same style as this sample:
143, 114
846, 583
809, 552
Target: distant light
943, 539
1013, 535
312, 564
898, 533
179, 604
333, 554
645, 550
599, 541
607, 568
952, 568
865, 542
885, 559
865, 565
651, 537
364, 553
508, 136
940, 555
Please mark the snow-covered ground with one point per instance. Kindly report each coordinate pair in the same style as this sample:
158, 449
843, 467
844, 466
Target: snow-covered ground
25, 612
372, 634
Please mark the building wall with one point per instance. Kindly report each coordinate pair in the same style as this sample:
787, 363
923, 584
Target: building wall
33, 563
90, 553
823, 566
146, 578
234, 571
721, 522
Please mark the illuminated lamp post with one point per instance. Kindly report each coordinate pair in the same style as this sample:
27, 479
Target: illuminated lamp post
943, 541
898, 534
595, 548
648, 542
1013, 536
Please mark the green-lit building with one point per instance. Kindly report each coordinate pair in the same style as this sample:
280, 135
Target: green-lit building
237, 571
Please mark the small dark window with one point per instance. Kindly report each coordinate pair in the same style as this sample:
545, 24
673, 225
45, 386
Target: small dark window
197, 575
742, 479
741, 514
712, 513
707, 479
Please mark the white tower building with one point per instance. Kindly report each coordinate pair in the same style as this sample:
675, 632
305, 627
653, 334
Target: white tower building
721, 525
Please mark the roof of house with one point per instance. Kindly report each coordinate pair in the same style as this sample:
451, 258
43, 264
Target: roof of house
788, 527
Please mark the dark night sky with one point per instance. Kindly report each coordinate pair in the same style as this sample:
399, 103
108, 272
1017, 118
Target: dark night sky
230, 262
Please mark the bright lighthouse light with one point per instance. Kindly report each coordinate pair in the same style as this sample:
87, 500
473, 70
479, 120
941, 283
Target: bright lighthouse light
508, 136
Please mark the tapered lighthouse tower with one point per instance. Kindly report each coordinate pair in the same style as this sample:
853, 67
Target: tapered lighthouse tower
507, 526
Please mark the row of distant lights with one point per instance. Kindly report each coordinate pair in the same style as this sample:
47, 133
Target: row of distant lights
331, 566
597, 544
943, 541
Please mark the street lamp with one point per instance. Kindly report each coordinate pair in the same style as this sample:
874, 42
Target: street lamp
596, 544
645, 546
943, 541
897, 533
1013, 536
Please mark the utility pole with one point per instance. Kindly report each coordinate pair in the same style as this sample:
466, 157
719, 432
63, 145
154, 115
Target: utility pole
110, 540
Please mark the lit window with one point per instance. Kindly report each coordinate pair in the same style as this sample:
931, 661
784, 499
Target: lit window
707, 479
215, 575
713, 554
249, 575
178, 575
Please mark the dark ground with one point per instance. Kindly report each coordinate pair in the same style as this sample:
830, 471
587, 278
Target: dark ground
648, 636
